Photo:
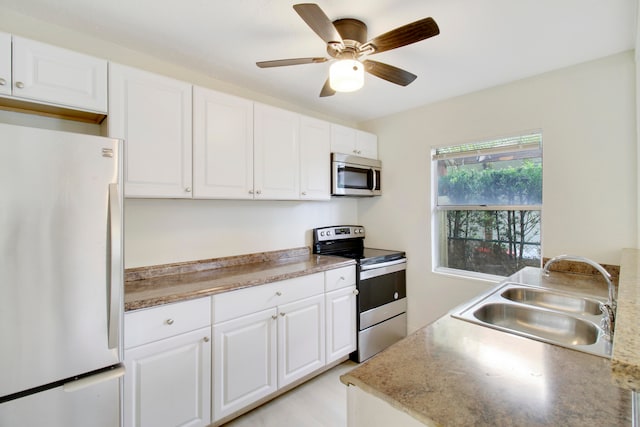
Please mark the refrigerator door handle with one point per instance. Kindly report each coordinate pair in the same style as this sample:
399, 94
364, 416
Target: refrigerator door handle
115, 303
76, 385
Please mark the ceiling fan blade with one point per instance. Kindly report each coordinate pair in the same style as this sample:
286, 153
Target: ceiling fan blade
318, 22
389, 72
402, 36
292, 61
327, 90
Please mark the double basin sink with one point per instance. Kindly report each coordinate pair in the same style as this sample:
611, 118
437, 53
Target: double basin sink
564, 319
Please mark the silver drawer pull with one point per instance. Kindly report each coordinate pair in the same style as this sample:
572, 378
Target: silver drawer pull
356, 292
169, 321
20, 85
206, 339
279, 293
2, 81
274, 317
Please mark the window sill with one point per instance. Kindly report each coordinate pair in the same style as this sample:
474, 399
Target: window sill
472, 275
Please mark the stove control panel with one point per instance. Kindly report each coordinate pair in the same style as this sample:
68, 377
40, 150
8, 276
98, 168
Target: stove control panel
338, 232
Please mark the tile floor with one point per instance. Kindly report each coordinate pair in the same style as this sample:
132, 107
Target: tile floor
320, 402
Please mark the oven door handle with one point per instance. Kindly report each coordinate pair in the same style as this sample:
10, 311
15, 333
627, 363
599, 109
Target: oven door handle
382, 269
383, 264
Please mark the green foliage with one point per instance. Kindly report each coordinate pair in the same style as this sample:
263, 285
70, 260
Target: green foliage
511, 185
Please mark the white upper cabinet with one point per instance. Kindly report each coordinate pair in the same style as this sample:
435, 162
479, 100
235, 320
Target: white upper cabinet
152, 113
353, 141
54, 75
276, 153
222, 145
315, 158
5, 64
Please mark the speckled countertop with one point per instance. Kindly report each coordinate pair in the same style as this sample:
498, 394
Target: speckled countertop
625, 361
455, 373
162, 284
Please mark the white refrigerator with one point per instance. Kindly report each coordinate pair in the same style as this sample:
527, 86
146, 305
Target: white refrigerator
61, 279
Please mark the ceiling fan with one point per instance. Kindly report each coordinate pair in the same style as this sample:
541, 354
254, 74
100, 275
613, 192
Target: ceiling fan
347, 43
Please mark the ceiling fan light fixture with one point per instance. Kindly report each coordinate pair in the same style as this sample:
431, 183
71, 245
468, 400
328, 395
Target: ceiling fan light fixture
346, 75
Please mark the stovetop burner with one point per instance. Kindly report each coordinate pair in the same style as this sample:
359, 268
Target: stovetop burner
348, 241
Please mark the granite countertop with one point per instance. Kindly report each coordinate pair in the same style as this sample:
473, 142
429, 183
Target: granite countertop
155, 285
453, 372
625, 360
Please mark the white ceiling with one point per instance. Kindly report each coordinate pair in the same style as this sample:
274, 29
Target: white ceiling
482, 43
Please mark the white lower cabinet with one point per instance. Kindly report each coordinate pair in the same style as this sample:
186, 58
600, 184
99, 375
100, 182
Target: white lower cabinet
301, 339
244, 362
265, 338
341, 322
168, 365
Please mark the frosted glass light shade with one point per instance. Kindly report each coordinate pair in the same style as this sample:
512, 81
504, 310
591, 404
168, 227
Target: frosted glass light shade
346, 75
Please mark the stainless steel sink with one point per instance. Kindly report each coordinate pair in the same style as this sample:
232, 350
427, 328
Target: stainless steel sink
553, 300
567, 320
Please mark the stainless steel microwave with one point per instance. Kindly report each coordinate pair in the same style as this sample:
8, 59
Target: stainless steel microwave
355, 176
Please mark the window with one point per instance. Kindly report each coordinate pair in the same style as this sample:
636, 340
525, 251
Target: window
487, 205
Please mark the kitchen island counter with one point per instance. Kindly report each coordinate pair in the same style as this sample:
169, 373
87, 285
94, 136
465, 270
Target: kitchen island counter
155, 285
455, 373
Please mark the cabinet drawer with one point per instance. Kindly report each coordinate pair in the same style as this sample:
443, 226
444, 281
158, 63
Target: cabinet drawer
230, 305
152, 324
340, 278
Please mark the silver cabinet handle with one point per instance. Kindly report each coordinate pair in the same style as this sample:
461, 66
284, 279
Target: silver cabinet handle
20, 85
274, 317
250, 191
279, 293
283, 314
341, 278
356, 292
188, 189
206, 339
2, 81
259, 192
169, 321
304, 193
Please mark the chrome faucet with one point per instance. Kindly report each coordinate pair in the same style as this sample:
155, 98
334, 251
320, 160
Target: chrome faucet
608, 308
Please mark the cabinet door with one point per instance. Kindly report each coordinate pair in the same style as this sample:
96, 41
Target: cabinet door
341, 322
168, 382
315, 159
222, 145
244, 361
152, 114
60, 76
276, 153
343, 139
5, 64
301, 339
367, 144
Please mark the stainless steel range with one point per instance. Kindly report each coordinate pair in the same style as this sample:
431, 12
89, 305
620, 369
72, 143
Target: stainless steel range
381, 282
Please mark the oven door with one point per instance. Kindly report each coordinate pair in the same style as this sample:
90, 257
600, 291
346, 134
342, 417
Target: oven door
380, 285
352, 176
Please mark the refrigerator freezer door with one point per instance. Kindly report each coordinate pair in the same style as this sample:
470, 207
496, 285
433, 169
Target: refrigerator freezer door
97, 405
55, 263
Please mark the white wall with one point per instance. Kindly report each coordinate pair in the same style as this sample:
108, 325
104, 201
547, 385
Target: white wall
164, 231
587, 116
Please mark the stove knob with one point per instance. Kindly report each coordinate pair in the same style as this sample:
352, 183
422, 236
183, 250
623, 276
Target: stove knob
356, 231
362, 231
322, 233
328, 232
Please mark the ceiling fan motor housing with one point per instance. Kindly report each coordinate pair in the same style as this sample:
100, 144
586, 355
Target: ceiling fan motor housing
354, 34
